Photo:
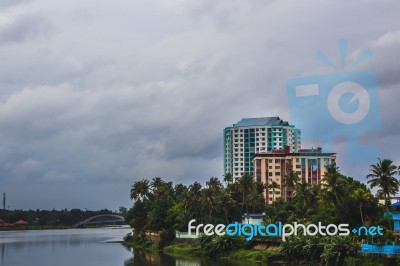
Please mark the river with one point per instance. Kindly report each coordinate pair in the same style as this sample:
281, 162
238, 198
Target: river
86, 247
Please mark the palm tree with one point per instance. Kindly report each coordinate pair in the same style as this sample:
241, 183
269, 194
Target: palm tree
228, 178
214, 184
195, 188
382, 174
140, 190
208, 202
305, 198
273, 186
225, 201
361, 196
246, 185
193, 199
301, 194
291, 179
335, 188
156, 182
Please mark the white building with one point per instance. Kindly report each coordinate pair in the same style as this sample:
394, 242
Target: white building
256, 135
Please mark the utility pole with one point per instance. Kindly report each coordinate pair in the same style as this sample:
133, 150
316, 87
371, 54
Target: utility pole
4, 200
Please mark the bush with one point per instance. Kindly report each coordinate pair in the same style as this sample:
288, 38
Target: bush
331, 250
293, 247
337, 248
138, 241
213, 246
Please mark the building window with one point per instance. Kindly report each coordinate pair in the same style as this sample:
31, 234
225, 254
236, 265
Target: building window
277, 173
277, 160
270, 174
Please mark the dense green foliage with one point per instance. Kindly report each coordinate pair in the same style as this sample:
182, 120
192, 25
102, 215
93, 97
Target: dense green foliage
160, 206
331, 250
213, 246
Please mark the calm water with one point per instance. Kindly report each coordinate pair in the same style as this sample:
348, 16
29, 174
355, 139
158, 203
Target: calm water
63, 247
74, 247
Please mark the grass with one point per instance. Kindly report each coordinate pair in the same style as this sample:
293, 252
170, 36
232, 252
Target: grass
241, 254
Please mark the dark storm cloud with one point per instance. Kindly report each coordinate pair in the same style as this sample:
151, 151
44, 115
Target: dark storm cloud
95, 95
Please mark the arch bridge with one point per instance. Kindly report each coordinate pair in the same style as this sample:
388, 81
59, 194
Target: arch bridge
103, 219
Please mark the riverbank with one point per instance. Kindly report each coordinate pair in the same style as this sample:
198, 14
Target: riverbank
273, 255
250, 255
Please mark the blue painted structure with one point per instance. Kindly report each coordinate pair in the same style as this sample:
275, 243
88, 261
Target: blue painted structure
380, 249
387, 249
396, 217
396, 221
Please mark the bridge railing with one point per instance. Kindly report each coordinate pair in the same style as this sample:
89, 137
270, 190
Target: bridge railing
94, 220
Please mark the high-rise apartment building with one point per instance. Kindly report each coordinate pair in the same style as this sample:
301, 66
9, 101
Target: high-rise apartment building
254, 135
309, 164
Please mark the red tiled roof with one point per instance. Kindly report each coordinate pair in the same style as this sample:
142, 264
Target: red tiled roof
21, 222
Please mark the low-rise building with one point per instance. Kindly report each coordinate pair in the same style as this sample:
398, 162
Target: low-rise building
309, 164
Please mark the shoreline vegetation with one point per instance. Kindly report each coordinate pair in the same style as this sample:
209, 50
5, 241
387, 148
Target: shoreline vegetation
160, 209
249, 255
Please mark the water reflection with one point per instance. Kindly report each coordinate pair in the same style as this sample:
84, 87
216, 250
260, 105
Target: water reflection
156, 258
86, 247
63, 247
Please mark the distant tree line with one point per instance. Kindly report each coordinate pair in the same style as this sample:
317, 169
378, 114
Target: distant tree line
53, 217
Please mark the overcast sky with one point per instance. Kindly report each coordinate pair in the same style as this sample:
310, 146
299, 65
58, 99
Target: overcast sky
98, 94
